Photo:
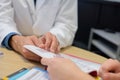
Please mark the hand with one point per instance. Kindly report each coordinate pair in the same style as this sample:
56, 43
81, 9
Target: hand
64, 69
17, 42
110, 70
49, 43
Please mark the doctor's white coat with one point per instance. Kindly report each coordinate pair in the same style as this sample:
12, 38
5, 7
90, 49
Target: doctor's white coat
56, 16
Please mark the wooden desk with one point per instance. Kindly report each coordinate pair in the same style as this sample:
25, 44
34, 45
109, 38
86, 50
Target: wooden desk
11, 61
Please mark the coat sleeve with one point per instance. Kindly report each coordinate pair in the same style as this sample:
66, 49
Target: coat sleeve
7, 24
65, 25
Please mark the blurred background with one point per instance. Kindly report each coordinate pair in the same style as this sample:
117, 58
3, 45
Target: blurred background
103, 16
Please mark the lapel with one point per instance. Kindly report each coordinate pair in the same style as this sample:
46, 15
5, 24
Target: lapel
32, 10
31, 5
39, 3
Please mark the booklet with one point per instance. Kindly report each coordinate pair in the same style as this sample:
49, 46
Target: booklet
85, 65
35, 74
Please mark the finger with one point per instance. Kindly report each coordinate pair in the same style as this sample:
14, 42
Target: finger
101, 72
45, 61
111, 76
106, 67
35, 40
48, 42
58, 49
42, 42
54, 45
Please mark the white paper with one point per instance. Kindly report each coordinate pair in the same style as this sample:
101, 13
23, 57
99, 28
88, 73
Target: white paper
84, 65
40, 52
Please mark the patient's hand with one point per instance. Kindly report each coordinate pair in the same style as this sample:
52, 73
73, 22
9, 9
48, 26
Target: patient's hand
64, 69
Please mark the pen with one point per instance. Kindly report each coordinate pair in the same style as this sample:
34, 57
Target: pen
15, 73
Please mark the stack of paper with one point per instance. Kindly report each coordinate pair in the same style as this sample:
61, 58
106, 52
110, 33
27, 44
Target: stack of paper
85, 65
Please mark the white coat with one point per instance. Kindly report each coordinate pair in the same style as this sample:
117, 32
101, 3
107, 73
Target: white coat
56, 16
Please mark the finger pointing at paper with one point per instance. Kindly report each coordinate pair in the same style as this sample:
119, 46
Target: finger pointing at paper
49, 43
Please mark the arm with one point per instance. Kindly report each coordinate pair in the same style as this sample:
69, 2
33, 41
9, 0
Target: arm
66, 23
64, 29
110, 70
64, 69
7, 24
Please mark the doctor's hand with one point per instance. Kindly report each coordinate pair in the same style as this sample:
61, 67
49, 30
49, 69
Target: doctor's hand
49, 43
110, 70
17, 42
64, 69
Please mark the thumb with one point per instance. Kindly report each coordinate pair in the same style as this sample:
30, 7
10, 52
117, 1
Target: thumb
111, 76
45, 61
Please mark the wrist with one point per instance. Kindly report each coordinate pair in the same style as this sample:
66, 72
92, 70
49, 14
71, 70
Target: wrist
6, 40
13, 40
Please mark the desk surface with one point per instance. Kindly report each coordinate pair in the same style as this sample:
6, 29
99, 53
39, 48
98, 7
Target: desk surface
11, 61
